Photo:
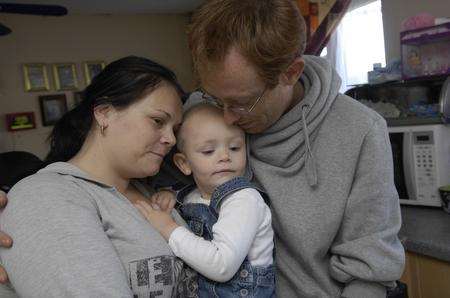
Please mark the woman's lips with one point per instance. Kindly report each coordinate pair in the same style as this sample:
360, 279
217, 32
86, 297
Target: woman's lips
158, 154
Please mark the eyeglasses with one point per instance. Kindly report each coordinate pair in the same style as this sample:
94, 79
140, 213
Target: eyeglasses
240, 110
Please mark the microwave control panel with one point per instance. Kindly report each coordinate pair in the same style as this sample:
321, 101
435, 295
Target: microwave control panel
425, 167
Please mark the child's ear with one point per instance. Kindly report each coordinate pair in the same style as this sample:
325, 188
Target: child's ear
181, 162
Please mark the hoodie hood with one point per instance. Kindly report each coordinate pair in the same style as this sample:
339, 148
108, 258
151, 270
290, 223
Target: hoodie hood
285, 148
65, 168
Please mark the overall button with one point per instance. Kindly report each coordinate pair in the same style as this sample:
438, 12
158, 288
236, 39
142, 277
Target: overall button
244, 273
243, 292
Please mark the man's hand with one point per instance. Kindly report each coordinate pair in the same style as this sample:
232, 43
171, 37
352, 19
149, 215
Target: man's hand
158, 214
5, 240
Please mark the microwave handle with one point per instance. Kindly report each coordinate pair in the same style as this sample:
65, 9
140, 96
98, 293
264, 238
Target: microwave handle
408, 165
444, 101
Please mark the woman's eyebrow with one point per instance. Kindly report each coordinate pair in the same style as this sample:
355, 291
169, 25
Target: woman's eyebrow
164, 112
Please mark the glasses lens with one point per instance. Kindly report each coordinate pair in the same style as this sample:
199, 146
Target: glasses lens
237, 110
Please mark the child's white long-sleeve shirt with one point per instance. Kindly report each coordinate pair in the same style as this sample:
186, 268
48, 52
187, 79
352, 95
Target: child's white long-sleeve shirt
244, 228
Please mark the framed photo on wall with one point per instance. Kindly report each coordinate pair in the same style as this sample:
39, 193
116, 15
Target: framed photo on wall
65, 75
20, 121
91, 69
53, 107
35, 77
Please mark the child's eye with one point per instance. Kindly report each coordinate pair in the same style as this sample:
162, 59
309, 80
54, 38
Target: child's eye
235, 148
207, 152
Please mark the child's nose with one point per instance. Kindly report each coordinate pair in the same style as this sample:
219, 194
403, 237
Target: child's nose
225, 155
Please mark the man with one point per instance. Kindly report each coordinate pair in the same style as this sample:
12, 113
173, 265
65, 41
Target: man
323, 158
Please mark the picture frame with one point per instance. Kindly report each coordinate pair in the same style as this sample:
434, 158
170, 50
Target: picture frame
65, 75
35, 77
91, 69
53, 107
20, 121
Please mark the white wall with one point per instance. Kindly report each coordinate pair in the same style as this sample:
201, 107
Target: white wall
395, 11
77, 39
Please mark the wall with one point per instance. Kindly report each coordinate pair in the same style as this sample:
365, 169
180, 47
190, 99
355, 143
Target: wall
77, 39
395, 11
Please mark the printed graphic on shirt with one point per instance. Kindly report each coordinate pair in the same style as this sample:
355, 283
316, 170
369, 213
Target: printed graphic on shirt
155, 277
188, 285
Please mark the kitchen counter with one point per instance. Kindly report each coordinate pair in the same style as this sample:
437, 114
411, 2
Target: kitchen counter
426, 231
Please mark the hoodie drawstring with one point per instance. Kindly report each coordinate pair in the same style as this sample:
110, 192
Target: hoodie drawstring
310, 162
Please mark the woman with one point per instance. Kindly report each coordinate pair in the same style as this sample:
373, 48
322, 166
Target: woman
76, 232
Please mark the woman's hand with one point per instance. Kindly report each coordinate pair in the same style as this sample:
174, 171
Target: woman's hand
5, 240
159, 213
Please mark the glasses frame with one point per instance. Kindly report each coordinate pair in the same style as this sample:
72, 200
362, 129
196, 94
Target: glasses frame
241, 111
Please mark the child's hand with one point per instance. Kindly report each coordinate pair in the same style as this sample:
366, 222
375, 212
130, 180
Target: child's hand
164, 199
161, 220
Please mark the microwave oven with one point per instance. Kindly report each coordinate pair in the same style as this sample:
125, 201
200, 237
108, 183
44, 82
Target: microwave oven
421, 156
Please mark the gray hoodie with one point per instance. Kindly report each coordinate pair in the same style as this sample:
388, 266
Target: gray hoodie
327, 167
76, 237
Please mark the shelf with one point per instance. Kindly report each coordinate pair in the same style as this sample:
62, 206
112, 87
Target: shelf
412, 121
412, 81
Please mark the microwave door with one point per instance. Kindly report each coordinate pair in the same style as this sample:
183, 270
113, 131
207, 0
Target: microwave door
409, 165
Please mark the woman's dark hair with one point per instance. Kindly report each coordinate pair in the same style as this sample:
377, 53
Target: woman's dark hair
120, 84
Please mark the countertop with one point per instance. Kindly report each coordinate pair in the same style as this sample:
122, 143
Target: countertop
426, 231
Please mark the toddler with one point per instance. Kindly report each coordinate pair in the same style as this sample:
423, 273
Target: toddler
230, 241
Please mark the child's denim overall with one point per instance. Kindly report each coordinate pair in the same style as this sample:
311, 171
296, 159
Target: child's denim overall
249, 281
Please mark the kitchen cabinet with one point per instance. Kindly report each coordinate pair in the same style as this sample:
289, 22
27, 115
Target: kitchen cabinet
426, 277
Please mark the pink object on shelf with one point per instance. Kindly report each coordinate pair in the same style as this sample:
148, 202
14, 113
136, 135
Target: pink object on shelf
418, 21
425, 51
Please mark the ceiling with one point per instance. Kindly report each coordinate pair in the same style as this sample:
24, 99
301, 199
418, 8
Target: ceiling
119, 6
134, 6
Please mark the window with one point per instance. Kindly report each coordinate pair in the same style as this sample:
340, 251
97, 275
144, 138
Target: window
357, 44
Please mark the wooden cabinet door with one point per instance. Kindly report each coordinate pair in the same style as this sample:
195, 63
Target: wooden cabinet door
410, 276
426, 277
